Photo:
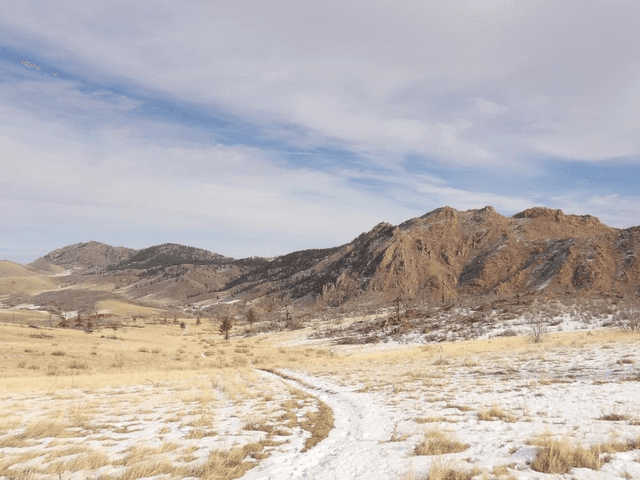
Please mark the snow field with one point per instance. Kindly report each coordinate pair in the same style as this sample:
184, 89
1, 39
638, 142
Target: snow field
498, 402
221, 417
167, 429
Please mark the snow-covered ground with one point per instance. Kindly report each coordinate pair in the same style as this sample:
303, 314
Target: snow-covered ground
496, 396
158, 429
566, 391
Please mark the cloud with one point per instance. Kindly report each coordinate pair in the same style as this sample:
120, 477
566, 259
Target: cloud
262, 127
615, 210
118, 180
373, 75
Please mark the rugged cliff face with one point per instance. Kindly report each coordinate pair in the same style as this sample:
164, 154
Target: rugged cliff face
477, 252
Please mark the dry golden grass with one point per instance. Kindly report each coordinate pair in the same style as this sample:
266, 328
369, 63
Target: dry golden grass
198, 433
149, 469
495, 412
560, 456
95, 360
22, 316
26, 284
122, 308
435, 420
45, 428
11, 269
9, 423
319, 424
223, 465
123, 366
8, 463
13, 441
82, 461
439, 442
129, 360
614, 446
441, 470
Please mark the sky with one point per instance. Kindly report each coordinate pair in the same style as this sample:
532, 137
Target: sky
257, 128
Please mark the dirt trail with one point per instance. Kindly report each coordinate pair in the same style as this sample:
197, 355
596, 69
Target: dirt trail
356, 448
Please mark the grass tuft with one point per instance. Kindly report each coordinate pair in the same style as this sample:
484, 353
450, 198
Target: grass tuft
44, 429
560, 456
496, 413
449, 471
438, 442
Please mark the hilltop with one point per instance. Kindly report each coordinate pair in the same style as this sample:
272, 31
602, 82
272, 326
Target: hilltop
88, 255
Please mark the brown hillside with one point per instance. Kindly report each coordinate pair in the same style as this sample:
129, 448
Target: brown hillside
445, 254
90, 255
448, 253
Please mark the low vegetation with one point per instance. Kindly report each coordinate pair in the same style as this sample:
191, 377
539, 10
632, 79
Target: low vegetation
439, 442
560, 456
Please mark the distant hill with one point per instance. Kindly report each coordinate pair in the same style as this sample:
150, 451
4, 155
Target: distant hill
169, 254
11, 269
89, 255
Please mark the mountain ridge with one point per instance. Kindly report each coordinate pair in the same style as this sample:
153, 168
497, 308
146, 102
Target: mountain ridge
444, 254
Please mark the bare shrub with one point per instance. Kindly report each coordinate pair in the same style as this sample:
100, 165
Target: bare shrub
536, 325
627, 319
225, 327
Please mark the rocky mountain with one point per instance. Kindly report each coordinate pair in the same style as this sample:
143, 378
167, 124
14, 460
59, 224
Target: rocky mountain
89, 255
443, 255
450, 254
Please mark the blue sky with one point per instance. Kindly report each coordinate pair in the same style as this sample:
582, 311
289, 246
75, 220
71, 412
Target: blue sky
260, 128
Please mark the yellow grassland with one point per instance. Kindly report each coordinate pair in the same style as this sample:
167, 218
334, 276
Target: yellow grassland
11, 269
26, 284
101, 385
122, 308
22, 316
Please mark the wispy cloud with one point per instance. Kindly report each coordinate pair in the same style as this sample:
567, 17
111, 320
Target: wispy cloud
309, 123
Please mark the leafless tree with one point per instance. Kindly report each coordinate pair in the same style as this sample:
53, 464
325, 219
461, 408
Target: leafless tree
251, 317
627, 319
225, 327
536, 324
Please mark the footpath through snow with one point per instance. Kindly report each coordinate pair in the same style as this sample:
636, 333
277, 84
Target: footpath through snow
356, 448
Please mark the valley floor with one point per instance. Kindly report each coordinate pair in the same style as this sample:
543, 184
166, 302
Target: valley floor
568, 407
